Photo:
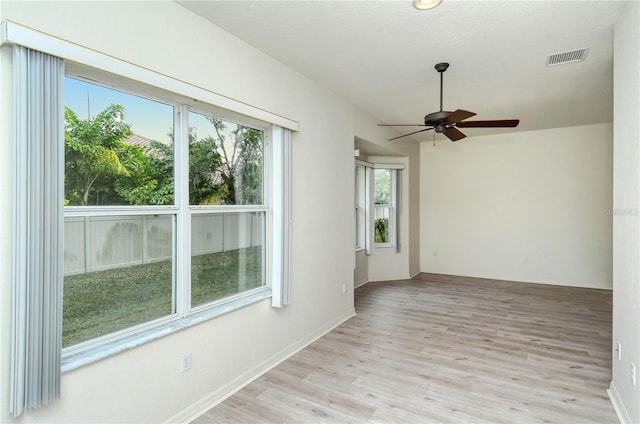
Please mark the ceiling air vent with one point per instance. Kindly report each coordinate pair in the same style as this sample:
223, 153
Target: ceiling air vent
567, 57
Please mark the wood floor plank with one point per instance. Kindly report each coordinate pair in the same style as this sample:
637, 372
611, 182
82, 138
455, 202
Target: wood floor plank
446, 349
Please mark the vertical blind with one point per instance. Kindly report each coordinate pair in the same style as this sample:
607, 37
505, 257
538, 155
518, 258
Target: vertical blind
398, 204
38, 229
282, 216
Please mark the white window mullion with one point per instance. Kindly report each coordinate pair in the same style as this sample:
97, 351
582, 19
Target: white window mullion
183, 219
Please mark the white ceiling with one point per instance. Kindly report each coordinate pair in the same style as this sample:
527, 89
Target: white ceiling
380, 55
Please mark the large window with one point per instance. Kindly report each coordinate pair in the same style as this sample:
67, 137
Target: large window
164, 216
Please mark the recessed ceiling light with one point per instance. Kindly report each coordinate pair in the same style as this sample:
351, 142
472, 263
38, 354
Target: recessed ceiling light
425, 4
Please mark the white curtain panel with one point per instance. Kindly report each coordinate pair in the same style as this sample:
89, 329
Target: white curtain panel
38, 229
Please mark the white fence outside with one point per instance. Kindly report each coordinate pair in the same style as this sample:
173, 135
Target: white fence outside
95, 243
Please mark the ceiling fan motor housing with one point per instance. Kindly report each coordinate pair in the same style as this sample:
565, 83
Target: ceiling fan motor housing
441, 67
435, 118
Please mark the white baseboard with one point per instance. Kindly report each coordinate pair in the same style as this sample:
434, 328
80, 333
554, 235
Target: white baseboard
618, 405
360, 284
356, 285
203, 405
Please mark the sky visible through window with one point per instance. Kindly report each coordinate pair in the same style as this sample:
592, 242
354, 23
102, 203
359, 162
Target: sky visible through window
148, 118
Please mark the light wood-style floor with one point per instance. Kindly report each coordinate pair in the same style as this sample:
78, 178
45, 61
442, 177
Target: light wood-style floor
446, 349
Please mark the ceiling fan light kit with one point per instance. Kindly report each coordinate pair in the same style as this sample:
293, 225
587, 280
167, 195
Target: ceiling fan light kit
445, 122
425, 4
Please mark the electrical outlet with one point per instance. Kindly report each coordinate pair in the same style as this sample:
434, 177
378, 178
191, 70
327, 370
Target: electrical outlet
344, 288
619, 349
633, 374
185, 362
525, 260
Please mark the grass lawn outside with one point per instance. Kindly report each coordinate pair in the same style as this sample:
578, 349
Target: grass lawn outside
103, 302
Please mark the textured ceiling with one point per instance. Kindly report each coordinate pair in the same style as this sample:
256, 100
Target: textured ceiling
380, 55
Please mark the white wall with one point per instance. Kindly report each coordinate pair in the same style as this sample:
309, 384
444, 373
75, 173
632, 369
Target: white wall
626, 217
488, 202
361, 271
145, 384
414, 180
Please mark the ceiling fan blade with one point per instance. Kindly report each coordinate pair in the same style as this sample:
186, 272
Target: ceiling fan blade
489, 124
458, 115
453, 133
402, 125
411, 133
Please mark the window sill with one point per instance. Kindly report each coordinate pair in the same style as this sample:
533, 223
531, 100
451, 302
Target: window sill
76, 357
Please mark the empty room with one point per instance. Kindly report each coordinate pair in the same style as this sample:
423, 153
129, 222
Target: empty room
320, 211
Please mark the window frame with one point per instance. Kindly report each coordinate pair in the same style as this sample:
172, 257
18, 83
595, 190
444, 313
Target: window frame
360, 207
370, 206
183, 314
390, 207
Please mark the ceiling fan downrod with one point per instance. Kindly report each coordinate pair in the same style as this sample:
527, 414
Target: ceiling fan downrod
435, 119
441, 67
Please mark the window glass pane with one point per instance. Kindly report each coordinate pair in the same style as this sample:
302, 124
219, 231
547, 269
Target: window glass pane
118, 147
227, 252
118, 274
225, 162
382, 189
381, 224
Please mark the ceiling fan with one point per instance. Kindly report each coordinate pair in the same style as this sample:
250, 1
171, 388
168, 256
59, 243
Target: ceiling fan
447, 122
